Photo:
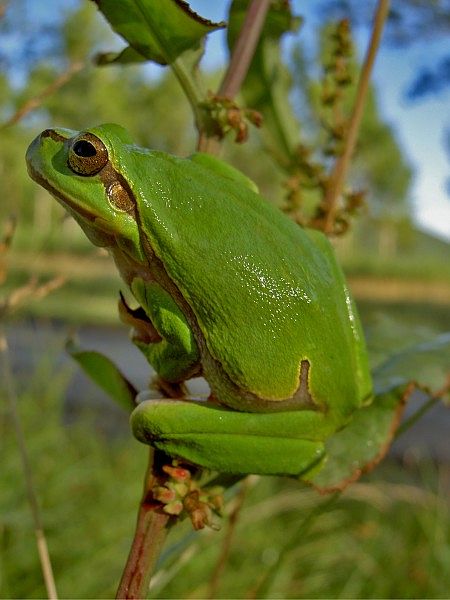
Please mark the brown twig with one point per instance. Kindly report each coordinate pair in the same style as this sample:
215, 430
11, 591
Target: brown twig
226, 546
337, 179
153, 523
240, 60
244, 48
151, 529
35, 102
41, 542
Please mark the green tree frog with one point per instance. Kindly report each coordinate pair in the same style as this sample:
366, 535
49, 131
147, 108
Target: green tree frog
229, 289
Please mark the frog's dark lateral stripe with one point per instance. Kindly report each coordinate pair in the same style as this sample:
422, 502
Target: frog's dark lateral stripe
54, 135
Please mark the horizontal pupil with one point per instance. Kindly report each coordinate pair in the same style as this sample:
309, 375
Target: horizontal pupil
84, 149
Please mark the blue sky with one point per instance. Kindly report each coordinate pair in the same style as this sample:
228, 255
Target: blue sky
419, 126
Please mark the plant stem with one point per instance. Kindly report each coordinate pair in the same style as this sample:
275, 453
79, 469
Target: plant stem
416, 416
190, 89
178, 66
41, 542
240, 60
337, 179
244, 48
151, 530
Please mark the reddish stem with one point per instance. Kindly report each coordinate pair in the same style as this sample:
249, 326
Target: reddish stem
151, 530
241, 58
244, 48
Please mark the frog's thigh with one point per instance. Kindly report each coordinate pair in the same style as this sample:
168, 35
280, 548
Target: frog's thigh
228, 441
175, 357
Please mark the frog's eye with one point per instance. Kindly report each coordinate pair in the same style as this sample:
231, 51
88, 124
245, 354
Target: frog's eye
87, 155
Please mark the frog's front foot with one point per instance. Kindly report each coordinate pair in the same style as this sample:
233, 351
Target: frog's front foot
169, 389
143, 329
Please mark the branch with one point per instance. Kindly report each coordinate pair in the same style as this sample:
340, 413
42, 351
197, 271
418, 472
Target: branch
153, 523
241, 58
151, 529
244, 48
35, 102
337, 179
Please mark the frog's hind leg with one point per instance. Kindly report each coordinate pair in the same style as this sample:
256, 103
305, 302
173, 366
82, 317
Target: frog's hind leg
228, 441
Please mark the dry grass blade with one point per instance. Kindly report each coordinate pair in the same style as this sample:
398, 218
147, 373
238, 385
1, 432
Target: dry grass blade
31, 290
41, 541
9, 229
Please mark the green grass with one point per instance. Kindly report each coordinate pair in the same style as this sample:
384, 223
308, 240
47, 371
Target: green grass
401, 267
87, 485
385, 537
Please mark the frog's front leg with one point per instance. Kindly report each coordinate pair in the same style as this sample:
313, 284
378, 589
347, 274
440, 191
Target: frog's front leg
216, 438
172, 350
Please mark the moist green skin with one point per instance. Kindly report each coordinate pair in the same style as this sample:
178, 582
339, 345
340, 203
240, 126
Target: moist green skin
273, 325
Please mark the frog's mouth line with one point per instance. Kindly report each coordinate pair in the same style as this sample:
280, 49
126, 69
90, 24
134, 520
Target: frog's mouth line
74, 208
64, 200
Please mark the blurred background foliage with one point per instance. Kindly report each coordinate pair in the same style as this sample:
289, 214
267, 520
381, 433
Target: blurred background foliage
386, 539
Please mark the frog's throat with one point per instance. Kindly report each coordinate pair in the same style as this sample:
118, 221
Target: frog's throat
223, 389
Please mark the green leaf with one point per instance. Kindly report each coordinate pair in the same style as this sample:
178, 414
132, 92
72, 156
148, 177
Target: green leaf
105, 374
428, 364
268, 83
125, 57
358, 447
158, 31
366, 439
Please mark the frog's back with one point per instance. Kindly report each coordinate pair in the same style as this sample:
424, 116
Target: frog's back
266, 293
